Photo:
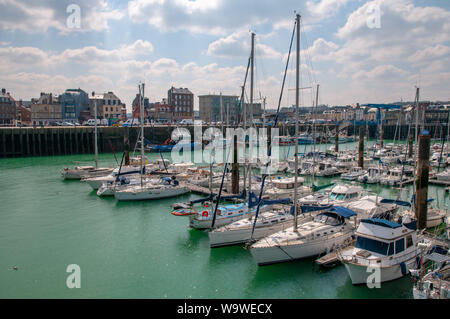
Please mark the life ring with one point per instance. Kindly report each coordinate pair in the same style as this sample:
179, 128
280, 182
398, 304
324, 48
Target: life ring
205, 213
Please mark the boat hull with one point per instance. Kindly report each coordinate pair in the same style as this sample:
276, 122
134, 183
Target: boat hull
277, 254
149, 194
359, 275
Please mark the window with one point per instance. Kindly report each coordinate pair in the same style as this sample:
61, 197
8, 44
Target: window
409, 241
372, 245
391, 249
400, 245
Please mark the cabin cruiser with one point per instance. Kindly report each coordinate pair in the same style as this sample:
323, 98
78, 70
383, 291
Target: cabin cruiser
341, 193
373, 175
327, 168
395, 177
381, 244
327, 231
285, 187
345, 162
353, 174
165, 187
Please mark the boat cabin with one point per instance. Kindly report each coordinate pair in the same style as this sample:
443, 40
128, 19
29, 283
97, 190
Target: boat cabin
382, 238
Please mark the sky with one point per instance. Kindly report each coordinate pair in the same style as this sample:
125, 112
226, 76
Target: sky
356, 51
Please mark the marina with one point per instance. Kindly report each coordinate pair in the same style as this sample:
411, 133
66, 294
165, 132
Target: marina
225, 165
126, 249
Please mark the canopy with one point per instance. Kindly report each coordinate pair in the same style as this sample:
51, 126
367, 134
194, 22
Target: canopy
342, 211
396, 202
381, 222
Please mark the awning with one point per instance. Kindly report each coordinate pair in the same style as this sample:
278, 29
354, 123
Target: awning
342, 211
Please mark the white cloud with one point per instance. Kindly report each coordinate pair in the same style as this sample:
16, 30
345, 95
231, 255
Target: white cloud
220, 17
238, 44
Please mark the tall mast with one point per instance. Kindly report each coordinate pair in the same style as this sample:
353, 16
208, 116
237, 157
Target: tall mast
252, 65
417, 115
297, 101
142, 130
95, 133
314, 135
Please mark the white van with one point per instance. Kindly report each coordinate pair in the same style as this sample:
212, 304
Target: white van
91, 122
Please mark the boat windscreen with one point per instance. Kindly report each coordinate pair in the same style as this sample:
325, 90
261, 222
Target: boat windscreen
372, 245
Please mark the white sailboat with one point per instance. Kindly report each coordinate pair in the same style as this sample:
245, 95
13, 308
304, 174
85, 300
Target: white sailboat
79, 172
166, 187
327, 231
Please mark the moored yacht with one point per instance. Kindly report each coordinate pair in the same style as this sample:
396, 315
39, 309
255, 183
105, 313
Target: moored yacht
329, 230
165, 187
353, 174
384, 245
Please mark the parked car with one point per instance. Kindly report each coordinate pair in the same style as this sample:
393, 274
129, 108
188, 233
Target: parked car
186, 122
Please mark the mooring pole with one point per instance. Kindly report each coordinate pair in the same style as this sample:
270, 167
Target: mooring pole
361, 147
410, 147
126, 138
235, 168
423, 169
336, 140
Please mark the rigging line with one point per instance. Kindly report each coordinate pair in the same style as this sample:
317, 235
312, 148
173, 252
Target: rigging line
264, 176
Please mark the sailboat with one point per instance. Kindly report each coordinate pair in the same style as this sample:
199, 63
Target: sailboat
163, 188
329, 229
79, 172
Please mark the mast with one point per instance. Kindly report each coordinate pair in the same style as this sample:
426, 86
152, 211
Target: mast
314, 136
417, 115
297, 100
141, 102
95, 133
252, 65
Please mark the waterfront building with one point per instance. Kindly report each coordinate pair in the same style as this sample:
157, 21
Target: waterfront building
181, 101
209, 108
46, 110
137, 109
109, 106
23, 113
73, 102
7, 108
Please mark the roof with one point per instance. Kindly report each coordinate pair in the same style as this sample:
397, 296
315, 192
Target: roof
342, 211
381, 222
180, 90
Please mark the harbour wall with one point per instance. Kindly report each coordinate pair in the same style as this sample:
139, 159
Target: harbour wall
48, 141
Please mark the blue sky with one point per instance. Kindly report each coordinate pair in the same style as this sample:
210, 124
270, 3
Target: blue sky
204, 45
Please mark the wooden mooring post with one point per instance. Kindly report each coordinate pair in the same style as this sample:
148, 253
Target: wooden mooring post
422, 176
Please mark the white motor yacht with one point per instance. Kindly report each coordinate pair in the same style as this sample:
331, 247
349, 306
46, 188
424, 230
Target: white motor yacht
353, 174
383, 246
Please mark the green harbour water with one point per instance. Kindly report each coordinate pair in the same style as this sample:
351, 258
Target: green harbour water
138, 249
